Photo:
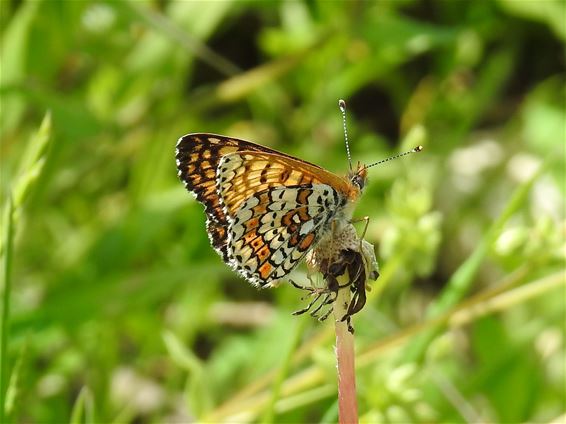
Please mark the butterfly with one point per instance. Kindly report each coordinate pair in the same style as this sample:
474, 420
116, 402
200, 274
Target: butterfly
265, 209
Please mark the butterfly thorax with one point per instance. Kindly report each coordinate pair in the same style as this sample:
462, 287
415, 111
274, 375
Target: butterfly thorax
342, 237
351, 192
339, 234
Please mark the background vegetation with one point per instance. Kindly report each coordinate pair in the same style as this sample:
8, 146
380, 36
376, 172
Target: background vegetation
115, 308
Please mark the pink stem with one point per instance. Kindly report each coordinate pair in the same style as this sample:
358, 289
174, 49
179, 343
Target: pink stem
347, 403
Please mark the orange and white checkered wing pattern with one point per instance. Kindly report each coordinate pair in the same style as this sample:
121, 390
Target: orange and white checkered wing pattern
265, 209
197, 157
273, 230
278, 208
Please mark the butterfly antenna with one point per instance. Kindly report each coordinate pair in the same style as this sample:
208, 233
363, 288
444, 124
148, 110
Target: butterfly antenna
342, 106
415, 150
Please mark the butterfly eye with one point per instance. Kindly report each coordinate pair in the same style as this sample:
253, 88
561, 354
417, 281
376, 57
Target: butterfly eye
358, 181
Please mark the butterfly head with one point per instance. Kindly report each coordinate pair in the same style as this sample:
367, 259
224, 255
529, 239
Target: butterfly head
358, 178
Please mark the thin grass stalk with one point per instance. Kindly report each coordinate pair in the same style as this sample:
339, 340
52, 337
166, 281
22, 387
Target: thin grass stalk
6, 295
463, 315
168, 28
307, 397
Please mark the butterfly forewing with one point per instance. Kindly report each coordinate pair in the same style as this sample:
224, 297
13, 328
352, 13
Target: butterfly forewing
242, 174
197, 158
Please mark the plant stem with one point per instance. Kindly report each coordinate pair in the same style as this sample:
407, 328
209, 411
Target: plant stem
347, 403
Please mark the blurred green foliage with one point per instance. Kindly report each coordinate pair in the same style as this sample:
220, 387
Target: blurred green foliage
119, 311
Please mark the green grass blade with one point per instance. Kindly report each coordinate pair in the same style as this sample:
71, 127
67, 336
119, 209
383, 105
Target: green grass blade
270, 412
6, 291
12, 389
198, 392
83, 407
30, 169
15, 42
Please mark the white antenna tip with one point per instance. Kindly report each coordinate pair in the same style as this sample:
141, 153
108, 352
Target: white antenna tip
418, 149
342, 105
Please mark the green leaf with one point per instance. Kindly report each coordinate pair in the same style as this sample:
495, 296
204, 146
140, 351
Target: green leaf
13, 56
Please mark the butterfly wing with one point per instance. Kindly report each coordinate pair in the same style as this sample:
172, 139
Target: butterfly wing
241, 174
265, 209
277, 208
273, 230
197, 158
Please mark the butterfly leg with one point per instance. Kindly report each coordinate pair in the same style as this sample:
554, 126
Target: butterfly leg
310, 288
318, 293
325, 301
306, 308
310, 305
324, 316
305, 288
364, 259
364, 219
298, 286
327, 313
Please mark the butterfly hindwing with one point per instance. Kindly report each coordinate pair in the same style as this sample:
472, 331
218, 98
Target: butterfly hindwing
274, 229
